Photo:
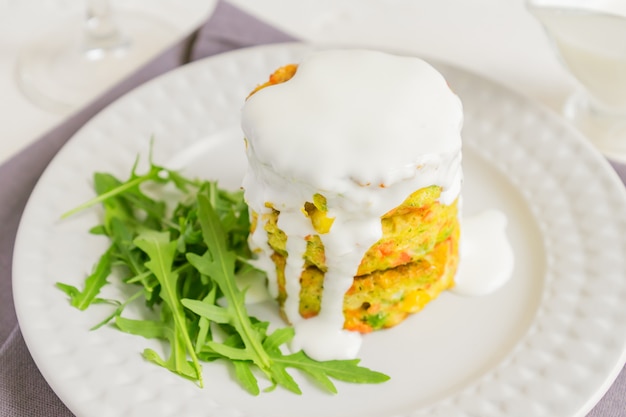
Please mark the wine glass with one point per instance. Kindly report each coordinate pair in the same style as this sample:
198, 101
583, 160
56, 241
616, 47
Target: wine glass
590, 39
70, 65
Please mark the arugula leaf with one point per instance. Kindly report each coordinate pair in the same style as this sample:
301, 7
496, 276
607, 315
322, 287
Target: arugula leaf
149, 329
243, 372
182, 262
161, 253
219, 264
211, 312
94, 282
344, 370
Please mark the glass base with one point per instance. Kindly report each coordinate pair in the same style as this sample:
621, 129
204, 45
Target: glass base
58, 74
606, 130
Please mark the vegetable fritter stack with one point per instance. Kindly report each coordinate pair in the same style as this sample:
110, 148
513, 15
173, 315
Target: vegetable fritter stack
411, 264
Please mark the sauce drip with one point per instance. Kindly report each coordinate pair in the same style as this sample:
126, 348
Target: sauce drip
486, 261
364, 129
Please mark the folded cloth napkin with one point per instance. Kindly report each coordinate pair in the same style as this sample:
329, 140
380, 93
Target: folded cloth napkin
23, 391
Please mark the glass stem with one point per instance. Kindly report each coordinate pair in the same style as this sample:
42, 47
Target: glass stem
101, 33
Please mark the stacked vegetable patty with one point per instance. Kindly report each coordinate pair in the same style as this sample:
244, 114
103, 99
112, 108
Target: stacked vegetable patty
412, 263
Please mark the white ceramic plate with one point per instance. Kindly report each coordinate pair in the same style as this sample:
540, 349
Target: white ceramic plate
548, 343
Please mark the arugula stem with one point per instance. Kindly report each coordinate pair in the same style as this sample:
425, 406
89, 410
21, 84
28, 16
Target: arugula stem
118, 310
112, 193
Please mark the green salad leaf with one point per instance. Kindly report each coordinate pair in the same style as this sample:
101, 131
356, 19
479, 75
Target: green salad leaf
178, 244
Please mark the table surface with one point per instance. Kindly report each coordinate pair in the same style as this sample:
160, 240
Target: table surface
498, 39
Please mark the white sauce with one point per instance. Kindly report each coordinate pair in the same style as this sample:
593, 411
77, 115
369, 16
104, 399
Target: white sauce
486, 261
364, 129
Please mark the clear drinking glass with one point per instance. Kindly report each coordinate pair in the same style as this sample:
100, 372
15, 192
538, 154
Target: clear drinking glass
589, 36
67, 66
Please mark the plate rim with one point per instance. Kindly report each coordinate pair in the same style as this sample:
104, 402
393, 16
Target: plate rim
608, 171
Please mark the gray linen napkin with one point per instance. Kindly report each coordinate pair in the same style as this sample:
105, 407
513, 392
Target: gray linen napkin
23, 391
